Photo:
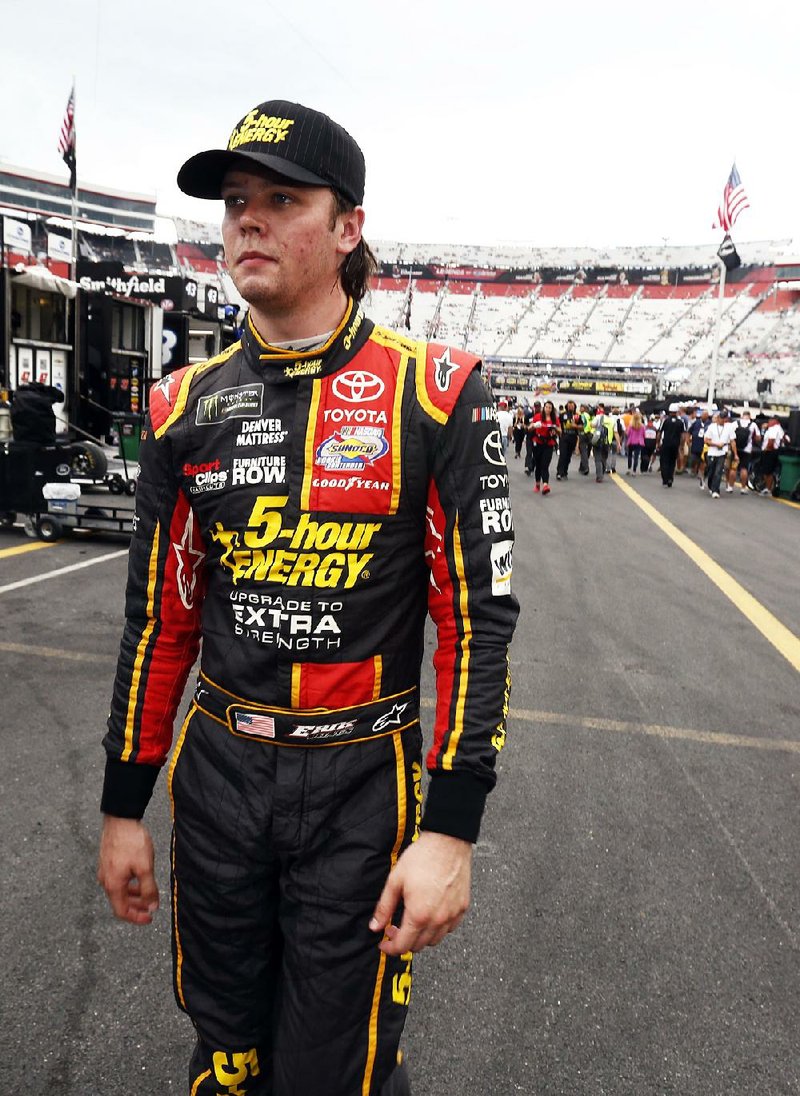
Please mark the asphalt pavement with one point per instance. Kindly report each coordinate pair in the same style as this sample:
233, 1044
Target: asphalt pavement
635, 927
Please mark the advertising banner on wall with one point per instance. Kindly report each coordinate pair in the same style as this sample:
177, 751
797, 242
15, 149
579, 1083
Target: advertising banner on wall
168, 292
566, 276
59, 247
16, 235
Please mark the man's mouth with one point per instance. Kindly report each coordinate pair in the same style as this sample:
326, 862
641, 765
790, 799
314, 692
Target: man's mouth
254, 257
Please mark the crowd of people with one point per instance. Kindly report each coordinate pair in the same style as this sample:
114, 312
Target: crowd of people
711, 444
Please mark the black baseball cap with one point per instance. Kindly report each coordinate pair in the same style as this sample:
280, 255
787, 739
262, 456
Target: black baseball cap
294, 141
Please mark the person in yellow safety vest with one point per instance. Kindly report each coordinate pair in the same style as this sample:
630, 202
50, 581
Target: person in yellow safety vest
585, 440
604, 426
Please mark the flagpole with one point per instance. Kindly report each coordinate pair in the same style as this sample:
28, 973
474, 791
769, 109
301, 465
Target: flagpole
73, 265
72, 384
712, 376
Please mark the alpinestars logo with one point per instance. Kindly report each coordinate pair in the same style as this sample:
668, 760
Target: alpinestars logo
390, 719
357, 386
164, 388
444, 370
189, 560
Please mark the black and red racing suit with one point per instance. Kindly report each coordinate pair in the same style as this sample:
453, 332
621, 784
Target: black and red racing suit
301, 512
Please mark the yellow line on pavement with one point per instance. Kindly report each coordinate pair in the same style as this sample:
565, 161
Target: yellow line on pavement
55, 652
34, 546
784, 641
526, 715
655, 730
788, 502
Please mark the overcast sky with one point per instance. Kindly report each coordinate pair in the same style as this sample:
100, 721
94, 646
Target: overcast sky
579, 123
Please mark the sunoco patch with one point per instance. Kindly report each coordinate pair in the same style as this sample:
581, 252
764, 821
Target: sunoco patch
352, 448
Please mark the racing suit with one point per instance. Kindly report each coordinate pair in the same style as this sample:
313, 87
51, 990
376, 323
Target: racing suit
300, 512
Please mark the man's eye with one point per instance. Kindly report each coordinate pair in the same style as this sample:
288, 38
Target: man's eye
281, 199
232, 200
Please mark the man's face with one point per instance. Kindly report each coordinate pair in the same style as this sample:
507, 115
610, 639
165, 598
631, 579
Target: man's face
282, 245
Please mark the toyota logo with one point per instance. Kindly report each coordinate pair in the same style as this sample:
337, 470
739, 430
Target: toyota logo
493, 448
356, 386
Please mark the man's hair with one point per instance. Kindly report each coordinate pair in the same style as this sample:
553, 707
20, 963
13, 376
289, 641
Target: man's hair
360, 265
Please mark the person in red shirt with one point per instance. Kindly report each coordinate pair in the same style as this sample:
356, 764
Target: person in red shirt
544, 429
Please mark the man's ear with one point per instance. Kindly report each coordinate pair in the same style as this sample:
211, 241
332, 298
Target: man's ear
349, 226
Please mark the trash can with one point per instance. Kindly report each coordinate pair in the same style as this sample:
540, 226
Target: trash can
790, 471
129, 431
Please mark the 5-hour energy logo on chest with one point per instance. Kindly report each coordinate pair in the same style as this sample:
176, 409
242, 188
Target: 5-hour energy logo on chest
325, 555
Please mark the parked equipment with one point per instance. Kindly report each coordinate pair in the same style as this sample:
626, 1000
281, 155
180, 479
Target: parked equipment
35, 482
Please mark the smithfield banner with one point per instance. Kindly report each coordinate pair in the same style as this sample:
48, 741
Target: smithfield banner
168, 291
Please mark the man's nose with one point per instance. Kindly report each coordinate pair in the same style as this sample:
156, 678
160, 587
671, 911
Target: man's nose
253, 220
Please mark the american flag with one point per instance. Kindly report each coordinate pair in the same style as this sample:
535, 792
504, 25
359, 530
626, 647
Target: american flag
734, 200
66, 140
255, 724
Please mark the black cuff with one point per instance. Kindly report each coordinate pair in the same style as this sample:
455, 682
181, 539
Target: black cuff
127, 788
454, 804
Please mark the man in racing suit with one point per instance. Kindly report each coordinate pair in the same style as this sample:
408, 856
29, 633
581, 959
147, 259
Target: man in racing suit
303, 499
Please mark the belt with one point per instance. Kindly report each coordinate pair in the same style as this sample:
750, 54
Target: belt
307, 726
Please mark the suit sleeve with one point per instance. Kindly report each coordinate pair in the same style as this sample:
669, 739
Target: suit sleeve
469, 547
161, 637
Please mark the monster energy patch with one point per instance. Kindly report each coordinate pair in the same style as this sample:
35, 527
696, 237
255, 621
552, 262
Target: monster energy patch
230, 403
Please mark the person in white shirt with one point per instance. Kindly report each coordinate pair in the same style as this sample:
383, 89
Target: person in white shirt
745, 433
774, 437
718, 439
505, 420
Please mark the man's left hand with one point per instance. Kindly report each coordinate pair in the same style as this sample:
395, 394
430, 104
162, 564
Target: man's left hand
432, 877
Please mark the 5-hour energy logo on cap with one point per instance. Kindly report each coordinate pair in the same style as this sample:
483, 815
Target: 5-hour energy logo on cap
256, 127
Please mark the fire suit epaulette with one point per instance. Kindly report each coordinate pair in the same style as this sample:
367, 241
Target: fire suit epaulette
441, 374
168, 397
441, 371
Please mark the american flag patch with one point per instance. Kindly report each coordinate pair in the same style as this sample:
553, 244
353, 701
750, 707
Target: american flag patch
263, 725
483, 414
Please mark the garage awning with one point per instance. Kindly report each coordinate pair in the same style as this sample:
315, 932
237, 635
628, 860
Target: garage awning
39, 277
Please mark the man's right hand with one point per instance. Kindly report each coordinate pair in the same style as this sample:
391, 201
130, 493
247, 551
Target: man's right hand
125, 869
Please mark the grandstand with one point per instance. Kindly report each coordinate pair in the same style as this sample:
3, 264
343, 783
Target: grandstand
646, 313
